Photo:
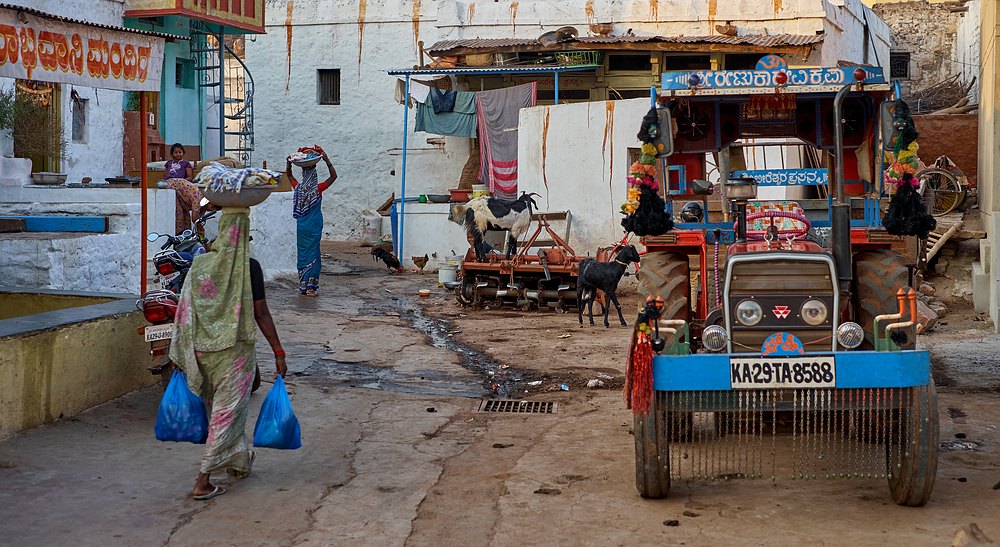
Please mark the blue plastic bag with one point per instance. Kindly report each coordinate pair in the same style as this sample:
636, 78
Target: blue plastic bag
277, 426
182, 416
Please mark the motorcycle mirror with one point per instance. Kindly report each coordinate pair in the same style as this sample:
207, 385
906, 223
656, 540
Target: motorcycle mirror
700, 187
153, 236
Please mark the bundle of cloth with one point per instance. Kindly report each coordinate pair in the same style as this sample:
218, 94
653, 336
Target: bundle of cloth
219, 178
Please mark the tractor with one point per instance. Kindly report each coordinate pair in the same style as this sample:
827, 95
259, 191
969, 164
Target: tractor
787, 323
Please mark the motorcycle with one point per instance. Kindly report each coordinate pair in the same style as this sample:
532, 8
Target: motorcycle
159, 306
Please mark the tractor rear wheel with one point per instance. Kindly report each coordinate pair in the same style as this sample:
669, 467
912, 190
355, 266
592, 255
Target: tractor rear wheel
913, 453
877, 276
652, 452
666, 275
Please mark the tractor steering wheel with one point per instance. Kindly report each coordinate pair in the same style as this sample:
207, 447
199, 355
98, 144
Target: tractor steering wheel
773, 214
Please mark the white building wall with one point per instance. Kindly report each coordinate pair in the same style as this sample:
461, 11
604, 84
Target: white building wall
368, 123
101, 155
106, 262
845, 29
967, 48
578, 171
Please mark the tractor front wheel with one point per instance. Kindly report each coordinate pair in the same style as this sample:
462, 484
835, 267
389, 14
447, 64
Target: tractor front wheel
913, 455
652, 452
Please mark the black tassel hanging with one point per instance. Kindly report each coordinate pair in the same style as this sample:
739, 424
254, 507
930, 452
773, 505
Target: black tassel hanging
907, 214
650, 218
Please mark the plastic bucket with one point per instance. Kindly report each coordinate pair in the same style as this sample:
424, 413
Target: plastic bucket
479, 190
447, 272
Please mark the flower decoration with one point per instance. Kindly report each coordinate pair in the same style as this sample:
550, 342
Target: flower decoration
644, 209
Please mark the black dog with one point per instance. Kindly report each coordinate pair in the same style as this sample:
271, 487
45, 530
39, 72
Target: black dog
388, 258
602, 276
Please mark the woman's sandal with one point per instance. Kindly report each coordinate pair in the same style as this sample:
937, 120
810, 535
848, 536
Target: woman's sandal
217, 491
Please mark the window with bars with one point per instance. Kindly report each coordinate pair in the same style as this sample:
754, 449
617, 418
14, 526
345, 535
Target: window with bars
328, 86
899, 64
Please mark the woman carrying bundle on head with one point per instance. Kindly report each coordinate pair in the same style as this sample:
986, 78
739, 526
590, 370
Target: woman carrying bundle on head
308, 213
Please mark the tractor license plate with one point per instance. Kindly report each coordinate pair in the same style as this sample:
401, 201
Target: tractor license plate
159, 332
782, 372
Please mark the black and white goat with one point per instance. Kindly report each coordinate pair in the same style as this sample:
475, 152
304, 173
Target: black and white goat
489, 213
604, 276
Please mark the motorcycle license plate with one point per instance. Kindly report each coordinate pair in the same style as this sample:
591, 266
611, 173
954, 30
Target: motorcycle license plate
783, 372
159, 332
165, 280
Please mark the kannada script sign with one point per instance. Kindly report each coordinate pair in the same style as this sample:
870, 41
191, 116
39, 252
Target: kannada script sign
786, 177
33, 48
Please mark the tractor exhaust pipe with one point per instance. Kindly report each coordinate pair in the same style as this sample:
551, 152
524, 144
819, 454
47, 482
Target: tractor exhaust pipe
840, 214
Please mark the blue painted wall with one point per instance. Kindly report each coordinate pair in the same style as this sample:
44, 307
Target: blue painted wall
180, 106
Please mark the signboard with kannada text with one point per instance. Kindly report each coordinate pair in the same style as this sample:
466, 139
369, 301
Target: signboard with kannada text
34, 48
735, 79
786, 177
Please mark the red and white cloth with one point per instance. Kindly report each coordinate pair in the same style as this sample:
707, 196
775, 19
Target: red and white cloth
497, 112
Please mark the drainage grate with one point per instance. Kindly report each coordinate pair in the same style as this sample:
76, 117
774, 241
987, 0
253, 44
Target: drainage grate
518, 407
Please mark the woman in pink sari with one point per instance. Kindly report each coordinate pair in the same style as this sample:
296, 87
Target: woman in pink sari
215, 345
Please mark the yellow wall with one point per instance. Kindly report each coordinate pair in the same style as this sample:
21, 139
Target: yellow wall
21, 304
61, 372
989, 161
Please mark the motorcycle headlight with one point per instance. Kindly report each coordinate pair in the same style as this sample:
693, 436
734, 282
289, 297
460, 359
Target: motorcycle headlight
814, 312
850, 335
749, 313
714, 338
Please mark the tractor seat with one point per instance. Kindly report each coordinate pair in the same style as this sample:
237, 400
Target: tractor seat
759, 226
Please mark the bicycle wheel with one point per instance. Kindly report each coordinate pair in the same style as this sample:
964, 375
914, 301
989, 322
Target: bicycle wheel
948, 192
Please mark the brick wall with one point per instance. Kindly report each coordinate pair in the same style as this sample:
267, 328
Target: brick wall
954, 135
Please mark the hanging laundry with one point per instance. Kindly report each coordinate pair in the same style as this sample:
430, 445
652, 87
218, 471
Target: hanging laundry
443, 100
419, 92
460, 122
497, 112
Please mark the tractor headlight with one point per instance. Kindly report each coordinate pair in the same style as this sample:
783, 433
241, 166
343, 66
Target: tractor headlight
814, 312
749, 313
850, 335
714, 338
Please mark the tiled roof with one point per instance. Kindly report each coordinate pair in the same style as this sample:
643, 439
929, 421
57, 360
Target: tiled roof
775, 40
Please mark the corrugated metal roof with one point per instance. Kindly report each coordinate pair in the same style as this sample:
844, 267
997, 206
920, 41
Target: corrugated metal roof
775, 40
44, 15
473, 71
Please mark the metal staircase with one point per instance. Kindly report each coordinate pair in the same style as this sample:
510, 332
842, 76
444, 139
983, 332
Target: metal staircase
225, 79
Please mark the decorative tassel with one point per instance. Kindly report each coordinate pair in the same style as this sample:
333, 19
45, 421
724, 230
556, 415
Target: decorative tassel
640, 378
644, 210
650, 217
907, 214
639, 361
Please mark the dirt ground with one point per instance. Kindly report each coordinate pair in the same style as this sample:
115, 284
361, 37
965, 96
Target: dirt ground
387, 386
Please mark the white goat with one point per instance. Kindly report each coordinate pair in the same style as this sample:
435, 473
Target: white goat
488, 213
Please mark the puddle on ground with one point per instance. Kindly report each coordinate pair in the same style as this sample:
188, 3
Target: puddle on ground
496, 379
961, 446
